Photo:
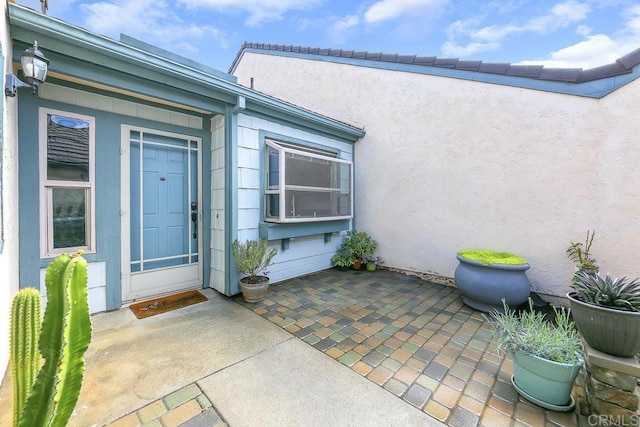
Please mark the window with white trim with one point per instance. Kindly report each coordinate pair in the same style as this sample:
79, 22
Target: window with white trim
67, 181
304, 184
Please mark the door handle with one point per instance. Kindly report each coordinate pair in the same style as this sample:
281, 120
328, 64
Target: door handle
194, 218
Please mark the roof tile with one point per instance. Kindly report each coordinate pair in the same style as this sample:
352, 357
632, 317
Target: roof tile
524, 70
445, 62
406, 59
623, 65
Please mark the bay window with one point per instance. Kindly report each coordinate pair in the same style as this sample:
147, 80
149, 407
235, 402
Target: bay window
304, 184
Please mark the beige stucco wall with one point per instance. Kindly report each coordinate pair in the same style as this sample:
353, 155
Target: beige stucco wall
449, 164
9, 256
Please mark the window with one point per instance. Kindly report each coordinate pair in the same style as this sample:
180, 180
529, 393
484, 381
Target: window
67, 219
304, 184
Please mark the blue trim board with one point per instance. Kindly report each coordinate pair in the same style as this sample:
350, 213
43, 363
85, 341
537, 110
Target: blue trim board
232, 286
592, 89
276, 231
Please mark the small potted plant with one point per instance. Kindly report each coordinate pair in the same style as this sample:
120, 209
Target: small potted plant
581, 254
486, 277
342, 260
373, 263
252, 258
547, 356
356, 247
607, 312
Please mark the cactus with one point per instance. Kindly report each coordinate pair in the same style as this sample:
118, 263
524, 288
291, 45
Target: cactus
25, 358
64, 338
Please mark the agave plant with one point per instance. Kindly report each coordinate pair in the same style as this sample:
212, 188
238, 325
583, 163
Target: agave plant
618, 293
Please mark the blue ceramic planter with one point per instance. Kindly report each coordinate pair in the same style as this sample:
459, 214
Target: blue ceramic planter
484, 286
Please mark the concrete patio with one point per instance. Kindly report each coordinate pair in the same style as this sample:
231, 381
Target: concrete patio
331, 348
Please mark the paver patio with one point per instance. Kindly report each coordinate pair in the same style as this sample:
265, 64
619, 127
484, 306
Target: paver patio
414, 338
408, 337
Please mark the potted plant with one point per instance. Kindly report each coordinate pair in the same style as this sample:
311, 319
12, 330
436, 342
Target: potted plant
356, 247
581, 254
342, 261
607, 312
547, 355
486, 277
252, 258
373, 263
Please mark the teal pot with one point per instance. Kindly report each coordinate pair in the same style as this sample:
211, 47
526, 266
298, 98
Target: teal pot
615, 332
543, 381
484, 286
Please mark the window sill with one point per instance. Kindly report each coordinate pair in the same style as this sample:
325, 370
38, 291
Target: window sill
285, 232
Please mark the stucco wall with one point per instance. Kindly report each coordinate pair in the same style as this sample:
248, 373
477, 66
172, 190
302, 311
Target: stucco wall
305, 254
449, 164
9, 255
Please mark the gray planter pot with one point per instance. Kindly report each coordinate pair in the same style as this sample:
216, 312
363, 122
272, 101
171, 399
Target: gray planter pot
483, 287
544, 382
615, 332
254, 292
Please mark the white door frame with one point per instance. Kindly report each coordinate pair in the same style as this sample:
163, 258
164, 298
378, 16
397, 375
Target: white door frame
125, 220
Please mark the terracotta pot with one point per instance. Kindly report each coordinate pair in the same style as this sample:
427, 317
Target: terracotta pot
358, 264
254, 292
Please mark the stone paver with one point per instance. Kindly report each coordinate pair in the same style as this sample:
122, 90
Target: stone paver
413, 338
187, 406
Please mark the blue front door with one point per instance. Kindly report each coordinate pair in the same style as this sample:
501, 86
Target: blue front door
164, 214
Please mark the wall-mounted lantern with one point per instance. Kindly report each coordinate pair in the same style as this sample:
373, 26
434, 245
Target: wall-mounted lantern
34, 66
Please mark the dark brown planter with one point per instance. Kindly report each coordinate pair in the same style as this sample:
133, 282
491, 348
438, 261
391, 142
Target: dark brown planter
615, 332
254, 292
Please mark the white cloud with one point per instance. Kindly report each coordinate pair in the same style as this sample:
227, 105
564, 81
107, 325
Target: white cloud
259, 11
341, 27
452, 49
597, 49
385, 10
480, 39
150, 20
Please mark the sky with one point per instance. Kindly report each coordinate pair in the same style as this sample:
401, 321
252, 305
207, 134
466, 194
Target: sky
569, 33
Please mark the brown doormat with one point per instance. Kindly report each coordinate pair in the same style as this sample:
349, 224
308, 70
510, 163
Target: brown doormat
162, 305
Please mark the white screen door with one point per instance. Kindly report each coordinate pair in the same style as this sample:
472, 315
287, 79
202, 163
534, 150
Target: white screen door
161, 213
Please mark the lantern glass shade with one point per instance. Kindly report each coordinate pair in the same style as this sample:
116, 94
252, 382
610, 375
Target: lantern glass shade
34, 65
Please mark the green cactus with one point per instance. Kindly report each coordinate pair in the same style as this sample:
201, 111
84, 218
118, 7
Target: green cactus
64, 338
25, 358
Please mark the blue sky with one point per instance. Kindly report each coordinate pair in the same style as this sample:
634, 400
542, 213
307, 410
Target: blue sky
564, 33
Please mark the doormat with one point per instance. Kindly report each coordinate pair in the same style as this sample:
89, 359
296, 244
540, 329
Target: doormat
163, 304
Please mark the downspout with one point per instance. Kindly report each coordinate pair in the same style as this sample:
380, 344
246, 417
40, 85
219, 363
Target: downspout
231, 135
